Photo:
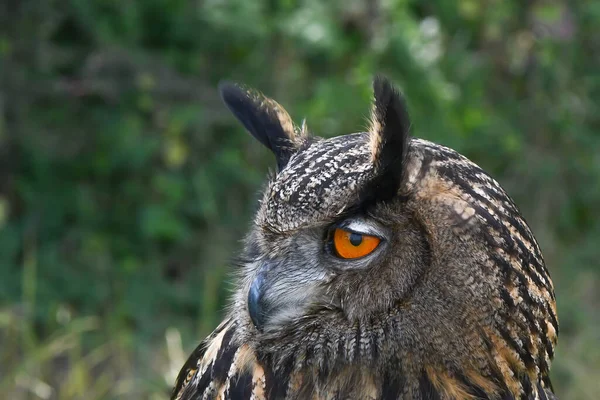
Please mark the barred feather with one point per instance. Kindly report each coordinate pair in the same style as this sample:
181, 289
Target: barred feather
458, 303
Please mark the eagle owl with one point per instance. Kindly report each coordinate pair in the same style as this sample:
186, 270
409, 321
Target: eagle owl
378, 266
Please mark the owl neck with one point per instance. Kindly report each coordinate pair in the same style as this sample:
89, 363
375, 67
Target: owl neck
382, 356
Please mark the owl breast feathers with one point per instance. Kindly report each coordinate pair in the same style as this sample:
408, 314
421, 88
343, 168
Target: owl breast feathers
378, 266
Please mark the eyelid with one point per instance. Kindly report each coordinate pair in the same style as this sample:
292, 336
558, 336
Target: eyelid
360, 227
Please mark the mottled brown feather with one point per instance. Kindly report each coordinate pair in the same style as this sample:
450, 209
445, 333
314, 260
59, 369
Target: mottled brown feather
458, 303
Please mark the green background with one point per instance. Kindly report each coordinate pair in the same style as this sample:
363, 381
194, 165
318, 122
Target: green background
126, 185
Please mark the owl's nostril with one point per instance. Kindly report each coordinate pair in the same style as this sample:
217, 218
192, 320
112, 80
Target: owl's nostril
256, 303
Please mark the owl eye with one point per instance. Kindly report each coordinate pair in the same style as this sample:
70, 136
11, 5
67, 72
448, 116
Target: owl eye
348, 244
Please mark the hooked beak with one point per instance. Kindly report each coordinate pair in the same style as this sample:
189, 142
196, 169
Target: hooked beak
257, 306
276, 297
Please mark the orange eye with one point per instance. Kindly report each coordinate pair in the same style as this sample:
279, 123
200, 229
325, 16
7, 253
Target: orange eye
353, 245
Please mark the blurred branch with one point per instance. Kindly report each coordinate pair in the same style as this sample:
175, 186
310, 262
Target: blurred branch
112, 73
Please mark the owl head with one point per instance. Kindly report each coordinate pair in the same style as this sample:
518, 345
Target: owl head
377, 249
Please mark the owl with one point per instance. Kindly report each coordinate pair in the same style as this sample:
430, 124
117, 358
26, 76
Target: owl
378, 266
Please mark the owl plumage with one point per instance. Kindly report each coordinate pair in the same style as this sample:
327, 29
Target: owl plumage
453, 302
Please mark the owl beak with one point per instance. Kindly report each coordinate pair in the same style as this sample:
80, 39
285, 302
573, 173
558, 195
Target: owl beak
257, 306
275, 299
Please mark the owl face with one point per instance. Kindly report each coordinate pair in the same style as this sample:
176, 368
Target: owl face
318, 238
330, 219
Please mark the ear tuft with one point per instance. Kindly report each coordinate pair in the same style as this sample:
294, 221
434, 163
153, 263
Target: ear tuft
264, 118
390, 123
389, 132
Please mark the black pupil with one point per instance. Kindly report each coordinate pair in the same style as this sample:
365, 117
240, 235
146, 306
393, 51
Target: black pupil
355, 239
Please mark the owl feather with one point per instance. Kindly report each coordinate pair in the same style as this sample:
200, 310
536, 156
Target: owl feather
378, 266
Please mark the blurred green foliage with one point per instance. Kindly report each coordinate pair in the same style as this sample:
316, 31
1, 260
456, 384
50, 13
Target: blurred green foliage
125, 185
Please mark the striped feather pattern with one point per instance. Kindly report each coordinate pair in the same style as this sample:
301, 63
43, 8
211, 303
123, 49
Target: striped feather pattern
458, 304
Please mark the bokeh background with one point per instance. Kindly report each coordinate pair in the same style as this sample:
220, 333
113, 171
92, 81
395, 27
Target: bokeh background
126, 186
